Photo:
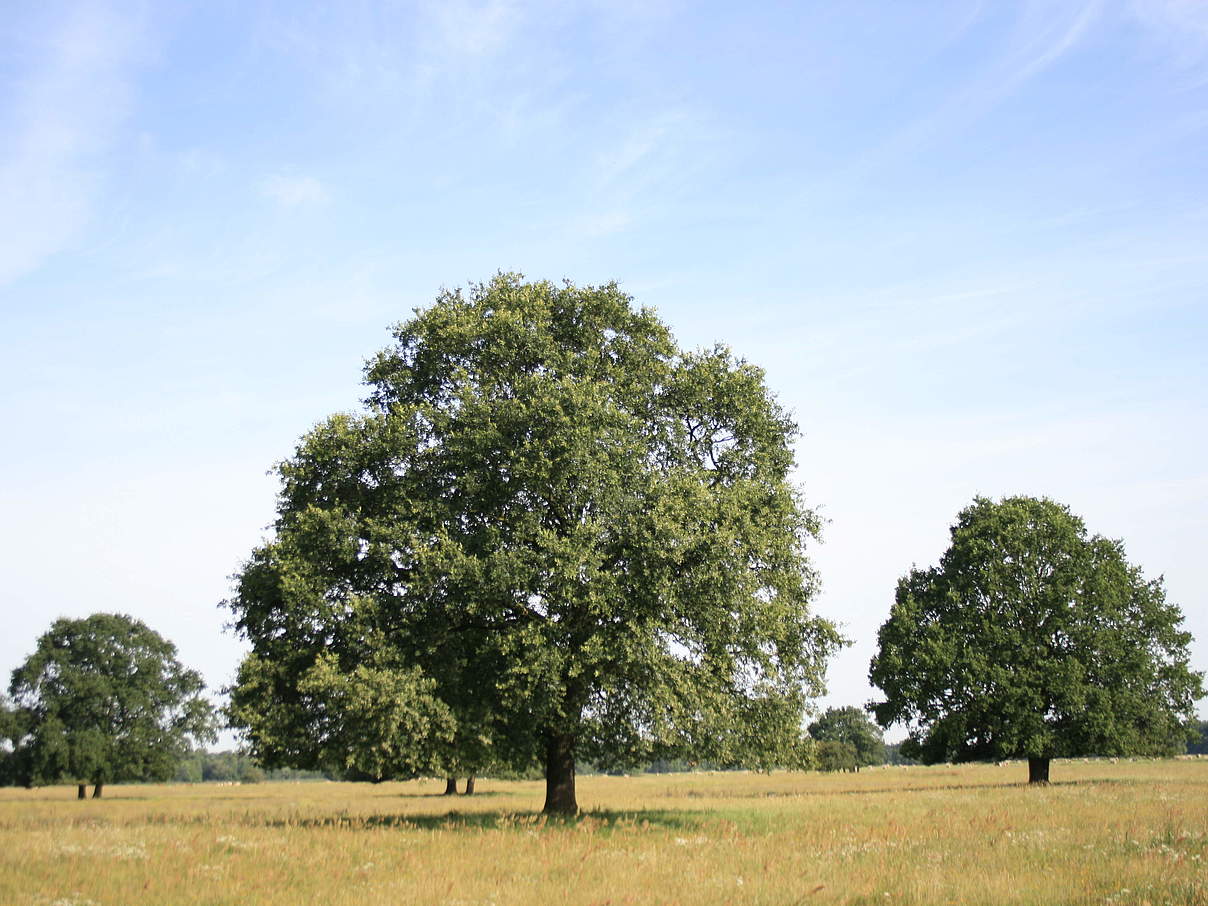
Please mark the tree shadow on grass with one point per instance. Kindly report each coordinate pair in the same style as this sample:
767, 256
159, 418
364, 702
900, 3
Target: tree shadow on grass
604, 820
942, 788
477, 794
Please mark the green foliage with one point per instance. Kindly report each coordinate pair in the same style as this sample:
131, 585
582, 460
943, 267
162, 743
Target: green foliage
836, 755
894, 756
12, 731
189, 770
103, 700
1198, 738
851, 725
1033, 639
218, 767
364, 721
548, 523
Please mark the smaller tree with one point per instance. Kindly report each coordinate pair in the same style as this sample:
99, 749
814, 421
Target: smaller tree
1033, 640
104, 700
894, 756
833, 755
1198, 738
851, 725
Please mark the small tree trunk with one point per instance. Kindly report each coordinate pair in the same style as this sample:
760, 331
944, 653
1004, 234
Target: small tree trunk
470, 785
560, 775
1038, 770
96, 791
450, 786
81, 791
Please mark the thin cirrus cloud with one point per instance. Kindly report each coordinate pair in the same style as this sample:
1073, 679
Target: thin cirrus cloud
1042, 36
1181, 26
293, 191
64, 116
355, 50
473, 29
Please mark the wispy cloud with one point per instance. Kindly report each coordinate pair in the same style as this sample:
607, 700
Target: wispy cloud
200, 162
1180, 27
603, 224
642, 145
357, 49
469, 28
651, 166
1044, 38
293, 191
1043, 34
65, 112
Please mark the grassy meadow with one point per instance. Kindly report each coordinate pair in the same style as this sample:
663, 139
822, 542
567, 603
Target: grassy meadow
1131, 832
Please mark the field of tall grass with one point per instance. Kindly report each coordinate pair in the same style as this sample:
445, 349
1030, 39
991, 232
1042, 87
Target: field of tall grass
1103, 832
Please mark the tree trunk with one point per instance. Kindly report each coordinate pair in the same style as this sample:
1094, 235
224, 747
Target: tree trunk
96, 791
81, 791
470, 785
560, 775
451, 786
1038, 770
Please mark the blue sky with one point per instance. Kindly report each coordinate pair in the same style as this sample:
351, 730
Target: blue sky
967, 241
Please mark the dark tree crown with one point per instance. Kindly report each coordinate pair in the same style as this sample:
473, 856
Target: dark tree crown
1032, 638
103, 699
548, 523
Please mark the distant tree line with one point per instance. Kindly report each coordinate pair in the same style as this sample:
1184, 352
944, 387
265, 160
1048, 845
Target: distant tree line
239, 767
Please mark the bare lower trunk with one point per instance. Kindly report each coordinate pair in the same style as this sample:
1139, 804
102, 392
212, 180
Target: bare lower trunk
560, 775
451, 786
96, 791
470, 785
1038, 770
81, 791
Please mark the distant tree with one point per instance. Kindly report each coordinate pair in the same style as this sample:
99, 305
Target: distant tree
220, 767
248, 771
200, 766
1198, 744
189, 768
104, 700
894, 756
1032, 640
851, 725
836, 755
553, 535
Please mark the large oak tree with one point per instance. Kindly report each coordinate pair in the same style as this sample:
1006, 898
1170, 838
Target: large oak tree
551, 534
1032, 639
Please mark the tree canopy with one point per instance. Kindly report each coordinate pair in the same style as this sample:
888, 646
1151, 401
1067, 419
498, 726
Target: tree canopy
851, 725
835, 755
1198, 738
11, 733
104, 700
551, 534
1033, 639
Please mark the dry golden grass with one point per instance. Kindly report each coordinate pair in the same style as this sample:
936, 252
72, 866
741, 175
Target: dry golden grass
1125, 833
